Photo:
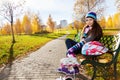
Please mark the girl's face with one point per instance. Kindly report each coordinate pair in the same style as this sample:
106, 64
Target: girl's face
89, 21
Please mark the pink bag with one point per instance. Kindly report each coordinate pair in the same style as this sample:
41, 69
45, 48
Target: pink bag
94, 48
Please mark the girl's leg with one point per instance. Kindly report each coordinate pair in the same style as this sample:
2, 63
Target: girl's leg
75, 49
69, 43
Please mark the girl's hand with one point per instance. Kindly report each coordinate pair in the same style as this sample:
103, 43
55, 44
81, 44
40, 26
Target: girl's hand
82, 39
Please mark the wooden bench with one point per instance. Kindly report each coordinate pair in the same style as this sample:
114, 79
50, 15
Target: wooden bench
105, 65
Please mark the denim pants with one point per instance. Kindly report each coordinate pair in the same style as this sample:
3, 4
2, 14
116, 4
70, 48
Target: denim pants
71, 44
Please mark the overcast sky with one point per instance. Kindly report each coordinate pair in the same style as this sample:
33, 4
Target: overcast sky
59, 9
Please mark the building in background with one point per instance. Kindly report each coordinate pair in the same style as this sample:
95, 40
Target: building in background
63, 23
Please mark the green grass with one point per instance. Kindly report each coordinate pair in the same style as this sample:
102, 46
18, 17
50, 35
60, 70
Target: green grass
24, 45
71, 34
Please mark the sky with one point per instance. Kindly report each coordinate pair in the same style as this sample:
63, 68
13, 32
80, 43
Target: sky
111, 8
59, 9
62, 9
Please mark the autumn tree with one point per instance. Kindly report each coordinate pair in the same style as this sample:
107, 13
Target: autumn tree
109, 23
0, 31
3, 31
102, 22
36, 24
50, 24
17, 27
9, 10
70, 26
81, 7
6, 29
26, 24
78, 25
1, 28
116, 20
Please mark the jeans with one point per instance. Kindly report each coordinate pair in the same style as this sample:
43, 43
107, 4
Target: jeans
69, 43
73, 47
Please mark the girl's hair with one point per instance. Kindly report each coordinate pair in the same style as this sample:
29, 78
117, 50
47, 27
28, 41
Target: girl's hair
96, 29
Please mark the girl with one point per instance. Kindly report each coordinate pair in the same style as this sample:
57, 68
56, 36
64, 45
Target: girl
91, 32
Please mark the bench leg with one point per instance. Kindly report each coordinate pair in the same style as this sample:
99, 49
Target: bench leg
115, 71
94, 73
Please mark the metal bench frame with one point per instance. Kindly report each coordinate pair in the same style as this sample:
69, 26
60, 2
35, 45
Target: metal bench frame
113, 43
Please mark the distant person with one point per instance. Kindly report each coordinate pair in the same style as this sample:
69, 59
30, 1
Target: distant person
91, 32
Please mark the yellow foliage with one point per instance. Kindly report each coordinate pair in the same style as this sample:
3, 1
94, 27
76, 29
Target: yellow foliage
26, 24
102, 22
78, 25
50, 24
6, 29
116, 20
17, 27
113, 22
109, 24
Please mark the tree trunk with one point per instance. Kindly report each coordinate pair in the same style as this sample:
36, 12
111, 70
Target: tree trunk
13, 37
88, 5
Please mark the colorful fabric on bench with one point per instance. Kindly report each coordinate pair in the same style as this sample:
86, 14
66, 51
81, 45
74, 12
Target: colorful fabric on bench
94, 48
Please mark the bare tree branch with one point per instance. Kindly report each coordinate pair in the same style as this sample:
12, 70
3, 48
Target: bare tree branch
5, 17
117, 3
81, 7
8, 11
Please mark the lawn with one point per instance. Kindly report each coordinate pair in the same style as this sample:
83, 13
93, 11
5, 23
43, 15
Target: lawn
24, 45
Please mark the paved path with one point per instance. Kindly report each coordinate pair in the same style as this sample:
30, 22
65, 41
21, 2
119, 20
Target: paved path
39, 65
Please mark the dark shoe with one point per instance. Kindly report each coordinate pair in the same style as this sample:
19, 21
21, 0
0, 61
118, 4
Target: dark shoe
68, 79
